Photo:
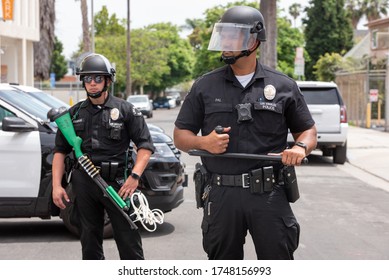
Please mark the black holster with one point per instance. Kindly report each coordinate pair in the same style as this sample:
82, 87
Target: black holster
290, 183
201, 179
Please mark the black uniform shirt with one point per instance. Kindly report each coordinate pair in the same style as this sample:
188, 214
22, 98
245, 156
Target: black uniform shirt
277, 104
107, 130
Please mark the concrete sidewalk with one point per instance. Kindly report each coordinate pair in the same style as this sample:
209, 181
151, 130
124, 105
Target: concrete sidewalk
368, 149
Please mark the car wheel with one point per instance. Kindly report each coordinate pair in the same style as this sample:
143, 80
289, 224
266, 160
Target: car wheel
340, 154
69, 218
150, 115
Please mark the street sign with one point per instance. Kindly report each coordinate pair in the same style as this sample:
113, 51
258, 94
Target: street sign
373, 95
52, 80
8, 9
299, 68
299, 62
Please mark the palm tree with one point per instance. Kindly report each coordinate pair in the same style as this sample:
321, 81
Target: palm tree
44, 48
373, 9
269, 48
355, 10
85, 27
294, 11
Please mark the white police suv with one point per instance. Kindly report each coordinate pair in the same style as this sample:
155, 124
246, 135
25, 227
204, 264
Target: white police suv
26, 149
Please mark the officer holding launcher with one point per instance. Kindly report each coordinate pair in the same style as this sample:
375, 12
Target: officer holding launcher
106, 124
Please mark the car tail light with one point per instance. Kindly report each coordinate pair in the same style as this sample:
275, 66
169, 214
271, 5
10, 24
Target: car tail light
343, 114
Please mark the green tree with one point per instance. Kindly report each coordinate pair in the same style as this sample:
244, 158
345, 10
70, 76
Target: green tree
148, 59
196, 25
328, 29
160, 58
289, 39
58, 62
179, 56
327, 65
106, 25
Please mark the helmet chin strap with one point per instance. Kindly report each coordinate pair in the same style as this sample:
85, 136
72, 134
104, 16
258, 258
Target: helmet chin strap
97, 94
233, 59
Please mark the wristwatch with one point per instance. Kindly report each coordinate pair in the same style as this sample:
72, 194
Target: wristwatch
135, 176
302, 145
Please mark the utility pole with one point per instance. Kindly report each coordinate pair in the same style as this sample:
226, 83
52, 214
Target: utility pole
128, 64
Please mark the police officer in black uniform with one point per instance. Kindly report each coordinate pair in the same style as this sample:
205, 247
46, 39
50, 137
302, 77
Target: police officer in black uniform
106, 124
256, 106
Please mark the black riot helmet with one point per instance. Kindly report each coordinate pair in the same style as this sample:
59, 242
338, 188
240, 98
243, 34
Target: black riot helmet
96, 64
239, 29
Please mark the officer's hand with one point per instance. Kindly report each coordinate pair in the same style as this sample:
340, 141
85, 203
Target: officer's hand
217, 143
59, 195
128, 188
293, 156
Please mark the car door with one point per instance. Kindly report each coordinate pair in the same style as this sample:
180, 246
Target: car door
20, 160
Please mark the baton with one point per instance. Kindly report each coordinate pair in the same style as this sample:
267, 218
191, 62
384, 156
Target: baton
219, 130
203, 153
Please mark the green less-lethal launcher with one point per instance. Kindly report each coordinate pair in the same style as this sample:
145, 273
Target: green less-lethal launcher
62, 118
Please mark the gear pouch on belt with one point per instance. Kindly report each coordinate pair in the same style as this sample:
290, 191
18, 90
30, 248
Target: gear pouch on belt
291, 186
109, 170
268, 178
256, 181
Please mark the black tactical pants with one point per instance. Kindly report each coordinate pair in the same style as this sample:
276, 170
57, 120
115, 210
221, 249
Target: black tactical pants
230, 211
90, 204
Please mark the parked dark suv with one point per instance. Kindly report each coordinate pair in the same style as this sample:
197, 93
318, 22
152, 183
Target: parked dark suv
26, 145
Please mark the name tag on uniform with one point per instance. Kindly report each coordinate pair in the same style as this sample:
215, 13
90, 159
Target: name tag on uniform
268, 106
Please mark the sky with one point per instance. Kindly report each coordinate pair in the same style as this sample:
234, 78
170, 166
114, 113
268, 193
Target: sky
142, 13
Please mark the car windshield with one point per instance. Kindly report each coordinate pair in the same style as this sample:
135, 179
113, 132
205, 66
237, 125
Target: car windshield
137, 99
26, 103
49, 100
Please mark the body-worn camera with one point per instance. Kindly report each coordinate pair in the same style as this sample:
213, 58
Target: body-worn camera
244, 112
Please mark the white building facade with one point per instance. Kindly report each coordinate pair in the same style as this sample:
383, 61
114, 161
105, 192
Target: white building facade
17, 36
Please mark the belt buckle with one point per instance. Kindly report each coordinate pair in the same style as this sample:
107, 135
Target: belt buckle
243, 181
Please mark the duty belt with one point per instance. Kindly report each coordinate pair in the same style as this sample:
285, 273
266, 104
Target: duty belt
242, 180
258, 180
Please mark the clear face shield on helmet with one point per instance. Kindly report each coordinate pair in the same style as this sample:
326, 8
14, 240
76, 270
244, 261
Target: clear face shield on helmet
232, 37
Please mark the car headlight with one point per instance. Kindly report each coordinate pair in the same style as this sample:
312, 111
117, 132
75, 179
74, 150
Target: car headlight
162, 150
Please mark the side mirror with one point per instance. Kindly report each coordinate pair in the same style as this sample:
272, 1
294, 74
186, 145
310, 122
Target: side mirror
16, 124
